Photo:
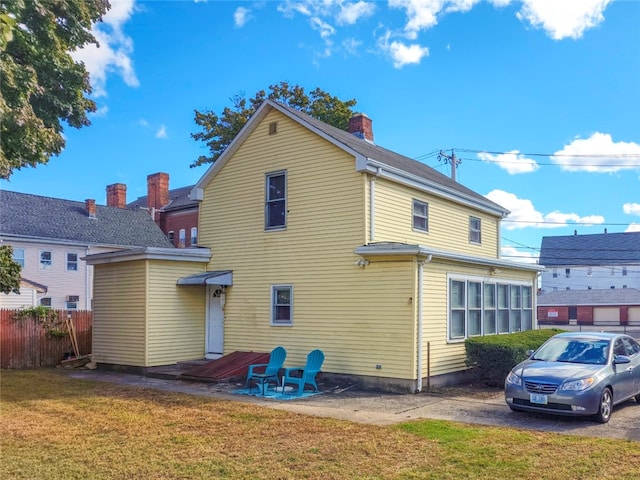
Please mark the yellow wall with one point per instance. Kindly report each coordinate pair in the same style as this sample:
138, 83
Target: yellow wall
142, 318
176, 329
119, 313
448, 221
358, 317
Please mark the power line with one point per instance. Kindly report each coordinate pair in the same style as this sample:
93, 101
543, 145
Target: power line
568, 155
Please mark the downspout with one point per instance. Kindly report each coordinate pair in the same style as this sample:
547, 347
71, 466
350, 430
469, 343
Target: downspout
372, 208
420, 305
88, 304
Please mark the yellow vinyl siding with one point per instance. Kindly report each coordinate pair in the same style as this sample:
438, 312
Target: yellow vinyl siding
358, 317
448, 221
448, 357
176, 329
119, 315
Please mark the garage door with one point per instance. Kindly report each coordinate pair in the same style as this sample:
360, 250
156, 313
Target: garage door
634, 315
606, 316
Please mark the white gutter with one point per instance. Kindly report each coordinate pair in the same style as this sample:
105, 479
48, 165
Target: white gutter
372, 206
88, 283
420, 305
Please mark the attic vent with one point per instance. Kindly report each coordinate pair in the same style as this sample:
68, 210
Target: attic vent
73, 298
273, 128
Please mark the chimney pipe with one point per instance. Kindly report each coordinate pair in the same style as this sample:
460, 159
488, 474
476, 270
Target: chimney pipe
361, 126
117, 195
90, 204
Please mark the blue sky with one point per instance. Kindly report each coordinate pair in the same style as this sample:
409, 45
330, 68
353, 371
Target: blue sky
540, 99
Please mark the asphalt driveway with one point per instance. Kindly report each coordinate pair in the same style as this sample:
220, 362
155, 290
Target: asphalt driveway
349, 403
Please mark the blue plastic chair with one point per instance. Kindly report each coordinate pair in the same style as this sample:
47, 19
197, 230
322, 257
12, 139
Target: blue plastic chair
307, 374
265, 371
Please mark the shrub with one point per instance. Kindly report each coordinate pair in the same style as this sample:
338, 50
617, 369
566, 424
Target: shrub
492, 357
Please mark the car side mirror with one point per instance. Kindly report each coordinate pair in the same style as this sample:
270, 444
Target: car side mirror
619, 359
530, 352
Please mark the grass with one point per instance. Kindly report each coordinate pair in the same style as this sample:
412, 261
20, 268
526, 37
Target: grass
56, 427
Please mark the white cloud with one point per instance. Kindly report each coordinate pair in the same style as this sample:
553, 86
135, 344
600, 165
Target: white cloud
563, 18
633, 227
324, 28
512, 253
406, 54
162, 132
114, 52
523, 214
350, 13
513, 162
631, 208
351, 45
598, 153
423, 14
143, 122
241, 16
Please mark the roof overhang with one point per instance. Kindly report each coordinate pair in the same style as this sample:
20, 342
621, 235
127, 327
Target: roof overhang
221, 277
199, 255
421, 251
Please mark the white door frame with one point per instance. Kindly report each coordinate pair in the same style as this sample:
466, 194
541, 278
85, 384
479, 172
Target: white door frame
214, 330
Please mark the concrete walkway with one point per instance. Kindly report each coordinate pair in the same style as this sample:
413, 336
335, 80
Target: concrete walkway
379, 408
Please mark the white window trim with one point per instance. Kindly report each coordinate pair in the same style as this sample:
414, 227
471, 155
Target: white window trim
19, 260
479, 230
271, 306
267, 201
413, 216
77, 262
43, 266
483, 280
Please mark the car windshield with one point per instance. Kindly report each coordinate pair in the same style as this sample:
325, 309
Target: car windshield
572, 350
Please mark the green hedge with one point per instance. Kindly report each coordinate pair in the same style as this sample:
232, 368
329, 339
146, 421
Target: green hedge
491, 357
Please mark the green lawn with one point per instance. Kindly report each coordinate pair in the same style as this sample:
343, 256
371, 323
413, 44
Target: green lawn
56, 427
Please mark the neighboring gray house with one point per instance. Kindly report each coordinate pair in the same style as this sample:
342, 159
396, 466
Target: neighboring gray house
590, 262
50, 236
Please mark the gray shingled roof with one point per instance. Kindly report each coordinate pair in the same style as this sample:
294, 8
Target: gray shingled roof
34, 216
390, 158
178, 200
591, 250
612, 296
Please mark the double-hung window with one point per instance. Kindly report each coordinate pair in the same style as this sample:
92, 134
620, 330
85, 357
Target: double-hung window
276, 201
194, 235
18, 256
282, 305
182, 237
475, 233
72, 262
45, 260
420, 216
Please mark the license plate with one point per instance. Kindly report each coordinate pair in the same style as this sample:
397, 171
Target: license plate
538, 398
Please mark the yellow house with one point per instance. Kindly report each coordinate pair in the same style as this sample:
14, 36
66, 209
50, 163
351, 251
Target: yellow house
318, 238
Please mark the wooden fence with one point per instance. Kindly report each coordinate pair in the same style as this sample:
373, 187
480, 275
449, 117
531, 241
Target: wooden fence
25, 342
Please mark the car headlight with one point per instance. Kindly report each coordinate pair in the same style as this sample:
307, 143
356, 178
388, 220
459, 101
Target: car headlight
514, 379
578, 385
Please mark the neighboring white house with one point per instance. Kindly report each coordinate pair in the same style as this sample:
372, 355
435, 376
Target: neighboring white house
50, 236
590, 262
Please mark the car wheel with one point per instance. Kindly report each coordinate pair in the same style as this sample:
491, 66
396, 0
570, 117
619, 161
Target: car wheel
606, 406
637, 397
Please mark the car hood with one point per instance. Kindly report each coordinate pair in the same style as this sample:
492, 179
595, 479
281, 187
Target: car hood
555, 372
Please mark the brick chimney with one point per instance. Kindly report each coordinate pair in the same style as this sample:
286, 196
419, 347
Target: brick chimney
361, 126
157, 190
117, 195
90, 204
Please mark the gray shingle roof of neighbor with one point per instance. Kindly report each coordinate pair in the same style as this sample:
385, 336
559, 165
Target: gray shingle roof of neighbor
178, 200
611, 296
591, 250
34, 216
389, 157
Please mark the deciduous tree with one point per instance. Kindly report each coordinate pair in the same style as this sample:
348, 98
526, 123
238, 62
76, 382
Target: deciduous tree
40, 83
218, 131
9, 271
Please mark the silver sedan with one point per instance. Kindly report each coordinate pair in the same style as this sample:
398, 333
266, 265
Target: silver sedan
584, 373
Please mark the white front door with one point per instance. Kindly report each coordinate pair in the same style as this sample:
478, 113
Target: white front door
215, 322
